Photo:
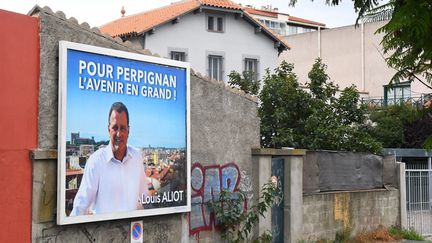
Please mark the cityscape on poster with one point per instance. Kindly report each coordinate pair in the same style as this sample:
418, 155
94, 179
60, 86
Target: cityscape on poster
124, 135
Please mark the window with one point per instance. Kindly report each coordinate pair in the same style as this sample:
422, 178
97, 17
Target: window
283, 29
210, 23
215, 67
306, 30
220, 24
215, 23
292, 30
179, 56
251, 66
398, 93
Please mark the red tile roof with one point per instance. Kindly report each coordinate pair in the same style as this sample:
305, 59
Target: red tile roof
261, 12
220, 4
148, 20
297, 19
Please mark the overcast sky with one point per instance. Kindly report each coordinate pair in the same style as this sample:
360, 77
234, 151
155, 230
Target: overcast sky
98, 12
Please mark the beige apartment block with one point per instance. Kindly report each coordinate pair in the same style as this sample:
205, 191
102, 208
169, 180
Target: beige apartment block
353, 55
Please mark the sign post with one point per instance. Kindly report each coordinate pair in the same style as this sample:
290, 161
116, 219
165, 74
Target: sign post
137, 232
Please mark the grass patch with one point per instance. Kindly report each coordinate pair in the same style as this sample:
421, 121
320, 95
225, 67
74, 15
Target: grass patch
408, 234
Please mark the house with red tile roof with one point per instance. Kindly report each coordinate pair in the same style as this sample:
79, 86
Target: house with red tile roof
282, 23
215, 36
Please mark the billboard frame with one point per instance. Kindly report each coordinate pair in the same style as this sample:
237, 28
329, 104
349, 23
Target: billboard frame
62, 218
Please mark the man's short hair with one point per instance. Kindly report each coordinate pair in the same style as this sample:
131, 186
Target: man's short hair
119, 107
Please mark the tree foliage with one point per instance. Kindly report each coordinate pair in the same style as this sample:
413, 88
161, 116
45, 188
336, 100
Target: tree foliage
292, 117
283, 109
407, 36
244, 81
401, 126
408, 39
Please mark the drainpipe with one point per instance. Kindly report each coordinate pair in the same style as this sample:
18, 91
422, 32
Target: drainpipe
319, 41
363, 82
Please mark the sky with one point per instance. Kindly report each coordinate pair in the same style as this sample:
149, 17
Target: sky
99, 12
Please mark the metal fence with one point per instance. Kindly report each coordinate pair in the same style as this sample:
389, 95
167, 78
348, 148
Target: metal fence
419, 199
379, 102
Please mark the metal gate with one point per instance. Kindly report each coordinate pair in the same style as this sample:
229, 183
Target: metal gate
419, 198
277, 211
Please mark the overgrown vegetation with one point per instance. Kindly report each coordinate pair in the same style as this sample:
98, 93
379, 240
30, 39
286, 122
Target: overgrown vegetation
343, 236
401, 126
235, 221
378, 234
318, 119
408, 234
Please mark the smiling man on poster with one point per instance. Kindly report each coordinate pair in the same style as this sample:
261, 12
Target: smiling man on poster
114, 179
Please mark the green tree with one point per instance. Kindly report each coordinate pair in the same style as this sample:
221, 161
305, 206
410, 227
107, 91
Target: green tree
283, 109
335, 123
244, 81
407, 36
292, 117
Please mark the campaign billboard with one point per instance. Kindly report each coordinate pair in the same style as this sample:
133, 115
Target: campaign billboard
124, 137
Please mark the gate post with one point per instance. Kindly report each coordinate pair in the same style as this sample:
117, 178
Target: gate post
261, 172
293, 195
402, 191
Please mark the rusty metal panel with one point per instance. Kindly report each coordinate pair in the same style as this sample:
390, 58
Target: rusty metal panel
341, 171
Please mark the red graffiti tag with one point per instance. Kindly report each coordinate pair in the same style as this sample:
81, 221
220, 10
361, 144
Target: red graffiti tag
207, 183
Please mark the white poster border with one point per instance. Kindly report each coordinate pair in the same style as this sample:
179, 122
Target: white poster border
62, 218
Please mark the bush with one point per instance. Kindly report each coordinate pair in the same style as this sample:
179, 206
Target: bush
401, 126
234, 221
400, 233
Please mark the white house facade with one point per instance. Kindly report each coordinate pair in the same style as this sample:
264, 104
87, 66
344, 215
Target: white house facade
214, 39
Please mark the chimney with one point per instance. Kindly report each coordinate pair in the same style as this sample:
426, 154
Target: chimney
123, 11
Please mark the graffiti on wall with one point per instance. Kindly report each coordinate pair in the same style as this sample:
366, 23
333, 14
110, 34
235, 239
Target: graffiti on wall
207, 183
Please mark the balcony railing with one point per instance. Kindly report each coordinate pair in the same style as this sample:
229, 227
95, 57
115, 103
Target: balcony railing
378, 102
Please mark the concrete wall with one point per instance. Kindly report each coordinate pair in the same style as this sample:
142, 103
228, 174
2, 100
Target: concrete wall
356, 199
19, 74
237, 42
352, 58
324, 214
224, 127
313, 216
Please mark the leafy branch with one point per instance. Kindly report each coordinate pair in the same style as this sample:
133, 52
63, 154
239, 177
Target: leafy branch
235, 222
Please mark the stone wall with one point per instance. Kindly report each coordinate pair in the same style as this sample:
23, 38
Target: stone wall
224, 128
325, 214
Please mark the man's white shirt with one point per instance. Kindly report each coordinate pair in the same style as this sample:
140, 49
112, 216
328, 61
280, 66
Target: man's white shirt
109, 185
